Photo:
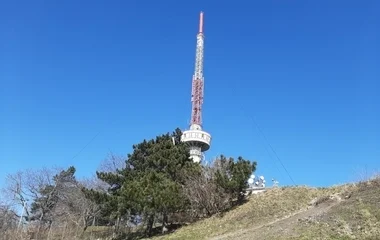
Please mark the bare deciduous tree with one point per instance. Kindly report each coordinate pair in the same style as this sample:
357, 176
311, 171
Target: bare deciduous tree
50, 197
23, 187
205, 197
8, 218
94, 183
111, 163
75, 208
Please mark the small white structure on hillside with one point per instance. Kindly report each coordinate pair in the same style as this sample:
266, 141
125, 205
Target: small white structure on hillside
275, 182
256, 184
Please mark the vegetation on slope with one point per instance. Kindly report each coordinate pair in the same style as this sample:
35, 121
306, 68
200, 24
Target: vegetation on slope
349, 211
357, 216
156, 188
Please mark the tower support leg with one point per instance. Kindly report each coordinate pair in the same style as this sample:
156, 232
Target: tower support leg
196, 153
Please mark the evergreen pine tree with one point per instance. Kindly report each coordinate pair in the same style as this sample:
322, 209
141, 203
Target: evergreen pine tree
150, 184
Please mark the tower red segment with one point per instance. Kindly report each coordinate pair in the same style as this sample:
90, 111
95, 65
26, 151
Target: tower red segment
195, 138
196, 115
198, 80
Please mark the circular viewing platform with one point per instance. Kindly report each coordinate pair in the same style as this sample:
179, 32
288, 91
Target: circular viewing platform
197, 138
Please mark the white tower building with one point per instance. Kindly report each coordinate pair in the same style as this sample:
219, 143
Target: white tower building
197, 139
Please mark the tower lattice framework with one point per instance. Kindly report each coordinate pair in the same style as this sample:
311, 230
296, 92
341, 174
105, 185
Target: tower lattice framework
197, 139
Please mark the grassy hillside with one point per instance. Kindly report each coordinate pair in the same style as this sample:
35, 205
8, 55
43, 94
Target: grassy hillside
350, 211
341, 212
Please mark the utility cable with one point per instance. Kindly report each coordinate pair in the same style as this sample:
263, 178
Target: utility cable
271, 147
266, 140
85, 146
265, 147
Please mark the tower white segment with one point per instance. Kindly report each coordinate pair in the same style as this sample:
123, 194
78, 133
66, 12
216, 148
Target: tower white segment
197, 139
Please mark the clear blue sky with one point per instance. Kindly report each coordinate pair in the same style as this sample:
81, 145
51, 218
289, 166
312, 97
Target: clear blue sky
307, 71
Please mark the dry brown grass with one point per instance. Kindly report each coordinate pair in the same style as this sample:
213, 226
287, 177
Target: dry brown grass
262, 208
350, 211
339, 212
92, 233
264, 211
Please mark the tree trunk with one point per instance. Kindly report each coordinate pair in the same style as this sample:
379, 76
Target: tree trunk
164, 222
149, 226
49, 232
116, 229
85, 223
39, 225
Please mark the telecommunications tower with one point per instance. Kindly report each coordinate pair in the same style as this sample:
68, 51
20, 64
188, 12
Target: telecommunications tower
197, 139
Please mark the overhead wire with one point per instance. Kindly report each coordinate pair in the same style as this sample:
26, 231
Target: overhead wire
271, 147
80, 151
265, 147
266, 140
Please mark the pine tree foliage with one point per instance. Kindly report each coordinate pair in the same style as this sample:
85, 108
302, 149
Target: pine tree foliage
218, 186
44, 203
232, 176
157, 183
159, 180
150, 184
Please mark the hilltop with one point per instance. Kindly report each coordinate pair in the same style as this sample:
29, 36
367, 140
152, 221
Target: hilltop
159, 192
350, 211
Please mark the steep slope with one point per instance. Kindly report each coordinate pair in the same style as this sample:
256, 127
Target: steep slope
342, 212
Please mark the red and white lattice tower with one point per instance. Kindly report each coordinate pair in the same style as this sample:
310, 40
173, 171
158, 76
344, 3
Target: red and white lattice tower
197, 139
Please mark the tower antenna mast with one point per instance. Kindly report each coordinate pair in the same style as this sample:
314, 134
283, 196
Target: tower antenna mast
197, 139
198, 80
